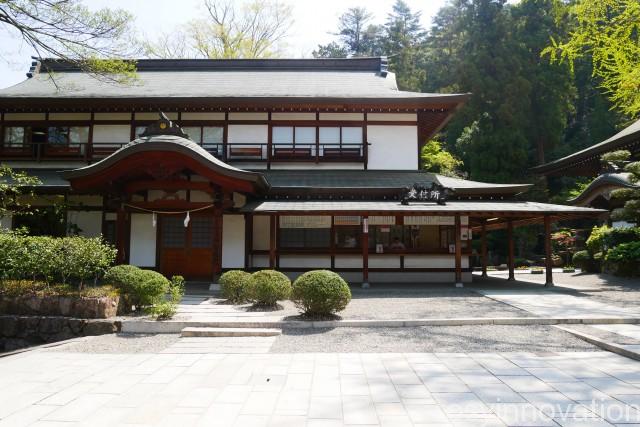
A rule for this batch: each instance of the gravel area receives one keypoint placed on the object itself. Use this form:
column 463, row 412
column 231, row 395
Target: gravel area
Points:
column 446, row 339
column 119, row 343
column 604, row 335
column 412, row 302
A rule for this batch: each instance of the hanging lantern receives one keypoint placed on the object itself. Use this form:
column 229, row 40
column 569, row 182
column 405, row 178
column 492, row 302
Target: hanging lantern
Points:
column 154, row 220
column 186, row 220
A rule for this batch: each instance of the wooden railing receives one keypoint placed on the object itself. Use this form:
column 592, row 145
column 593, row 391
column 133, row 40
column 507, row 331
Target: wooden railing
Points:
column 249, row 152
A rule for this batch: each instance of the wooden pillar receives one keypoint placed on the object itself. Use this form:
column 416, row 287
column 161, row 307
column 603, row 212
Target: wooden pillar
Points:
column 458, row 242
column 217, row 240
column 510, row 261
column 272, row 240
column 121, row 235
column 483, row 248
column 248, row 241
column 365, row 251
column 547, row 250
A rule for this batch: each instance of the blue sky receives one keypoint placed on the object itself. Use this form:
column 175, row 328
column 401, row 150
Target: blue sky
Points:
column 313, row 20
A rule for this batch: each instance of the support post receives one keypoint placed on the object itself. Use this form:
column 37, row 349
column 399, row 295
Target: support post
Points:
column 510, row 261
column 248, row 241
column 548, row 261
column 121, row 234
column 365, row 252
column 272, row 241
column 483, row 248
column 458, row 241
column 217, row 241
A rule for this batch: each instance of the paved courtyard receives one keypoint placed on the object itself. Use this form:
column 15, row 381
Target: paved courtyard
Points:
column 45, row 388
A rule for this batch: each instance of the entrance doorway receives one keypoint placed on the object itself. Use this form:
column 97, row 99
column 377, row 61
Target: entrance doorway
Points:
column 187, row 251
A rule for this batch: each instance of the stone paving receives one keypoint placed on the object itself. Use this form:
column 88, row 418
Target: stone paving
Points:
column 41, row 388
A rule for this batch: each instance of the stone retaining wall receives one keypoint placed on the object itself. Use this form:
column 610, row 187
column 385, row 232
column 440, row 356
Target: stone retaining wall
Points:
column 85, row 307
column 24, row 331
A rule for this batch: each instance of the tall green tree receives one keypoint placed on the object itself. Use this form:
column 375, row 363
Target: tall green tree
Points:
column 608, row 33
column 356, row 36
column 96, row 41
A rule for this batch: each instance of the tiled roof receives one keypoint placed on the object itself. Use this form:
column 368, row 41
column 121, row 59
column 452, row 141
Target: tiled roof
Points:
column 393, row 206
column 348, row 79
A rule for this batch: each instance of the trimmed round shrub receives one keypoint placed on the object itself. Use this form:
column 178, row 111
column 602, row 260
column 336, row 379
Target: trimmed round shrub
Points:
column 321, row 292
column 234, row 284
column 267, row 287
column 581, row 259
column 140, row 287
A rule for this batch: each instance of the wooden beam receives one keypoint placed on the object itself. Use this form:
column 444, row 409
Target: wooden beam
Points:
column 510, row 260
column 547, row 250
column 167, row 185
column 483, row 248
column 458, row 241
column 248, row 240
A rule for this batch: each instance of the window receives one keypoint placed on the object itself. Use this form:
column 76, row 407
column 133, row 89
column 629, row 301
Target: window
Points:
column 305, row 135
column 348, row 236
column 329, row 135
column 297, row 238
column 65, row 135
column 352, row 135
column 422, row 238
column 201, row 232
column 15, row 136
column 282, row 135
column 212, row 135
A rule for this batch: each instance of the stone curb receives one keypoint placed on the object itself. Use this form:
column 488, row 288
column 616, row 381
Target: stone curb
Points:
column 175, row 326
column 605, row 345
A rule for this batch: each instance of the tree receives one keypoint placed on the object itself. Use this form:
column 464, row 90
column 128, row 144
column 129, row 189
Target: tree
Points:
column 403, row 41
column 631, row 210
column 357, row 37
column 97, row 42
column 14, row 186
column 608, row 33
column 435, row 159
column 254, row 30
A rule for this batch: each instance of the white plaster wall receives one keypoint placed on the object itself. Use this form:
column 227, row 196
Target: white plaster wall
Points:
column 261, row 233
column 5, row 222
column 25, row 116
column 112, row 116
column 247, row 134
column 293, row 116
column 202, row 116
column 69, row 116
column 393, row 147
column 305, row 261
column 111, row 133
column 342, row 116
column 142, row 251
column 392, row 117
column 200, row 196
column 232, row 241
column 239, row 200
column 156, row 116
column 433, row 261
column 89, row 222
column 248, row 116
column 384, row 261
column 348, row 261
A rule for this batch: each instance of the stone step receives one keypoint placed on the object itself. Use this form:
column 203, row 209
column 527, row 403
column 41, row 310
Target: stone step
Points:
column 229, row 332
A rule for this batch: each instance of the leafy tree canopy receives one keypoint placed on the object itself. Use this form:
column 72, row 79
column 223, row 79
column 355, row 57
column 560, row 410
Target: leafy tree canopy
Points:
column 68, row 30
column 435, row 159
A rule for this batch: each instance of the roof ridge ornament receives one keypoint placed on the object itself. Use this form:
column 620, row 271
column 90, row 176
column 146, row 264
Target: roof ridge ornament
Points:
column 164, row 126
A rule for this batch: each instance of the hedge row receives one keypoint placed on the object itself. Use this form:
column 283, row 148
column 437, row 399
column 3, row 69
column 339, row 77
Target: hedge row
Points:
column 615, row 250
column 318, row 292
column 52, row 260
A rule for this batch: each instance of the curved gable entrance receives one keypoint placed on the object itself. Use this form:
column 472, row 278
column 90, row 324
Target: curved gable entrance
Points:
column 169, row 181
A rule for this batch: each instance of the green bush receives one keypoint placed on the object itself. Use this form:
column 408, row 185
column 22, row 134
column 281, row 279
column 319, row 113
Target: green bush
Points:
column 624, row 259
column 163, row 310
column 176, row 288
column 234, row 285
column 595, row 241
column 141, row 288
column 266, row 287
column 54, row 260
column 605, row 238
column 581, row 259
column 321, row 292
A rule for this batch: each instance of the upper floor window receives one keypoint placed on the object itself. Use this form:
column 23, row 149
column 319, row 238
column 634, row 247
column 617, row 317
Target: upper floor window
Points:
column 65, row 135
column 15, row 136
column 341, row 135
column 205, row 135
